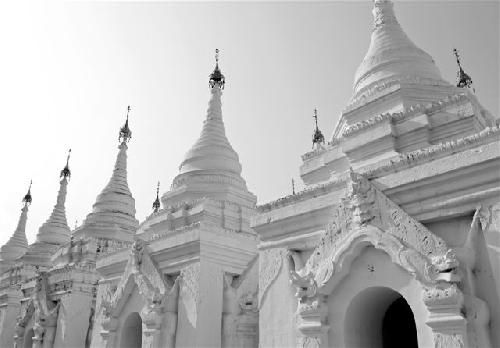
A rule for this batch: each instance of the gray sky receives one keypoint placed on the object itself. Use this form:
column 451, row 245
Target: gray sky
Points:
column 69, row 69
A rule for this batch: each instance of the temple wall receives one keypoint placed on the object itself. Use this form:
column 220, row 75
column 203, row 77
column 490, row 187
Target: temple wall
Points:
column 385, row 274
column 73, row 320
column 489, row 272
column 486, row 272
column 8, row 317
column 277, row 326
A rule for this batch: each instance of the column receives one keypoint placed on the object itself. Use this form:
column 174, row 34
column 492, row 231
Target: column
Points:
column 444, row 302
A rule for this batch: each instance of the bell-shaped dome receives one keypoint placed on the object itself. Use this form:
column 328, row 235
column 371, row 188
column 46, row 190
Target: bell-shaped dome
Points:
column 212, row 151
column 392, row 55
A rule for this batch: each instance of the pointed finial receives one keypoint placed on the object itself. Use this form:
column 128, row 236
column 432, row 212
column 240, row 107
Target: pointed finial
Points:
column 27, row 198
column 125, row 132
column 293, row 187
column 156, row 203
column 216, row 77
column 463, row 80
column 318, row 137
column 66, row 173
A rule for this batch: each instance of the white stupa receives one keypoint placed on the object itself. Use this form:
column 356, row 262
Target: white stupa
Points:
column 392, row 55
column 113, row 213
column 211, row 168
column 56, row 230
column 18, row 244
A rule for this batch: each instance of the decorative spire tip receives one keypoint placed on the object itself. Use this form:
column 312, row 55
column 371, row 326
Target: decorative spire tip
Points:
column 156, row 203
column 216, row 77
column 125, row 133
column 66, row 173
column 318, row 137
column 27, row 198
column 463, row 80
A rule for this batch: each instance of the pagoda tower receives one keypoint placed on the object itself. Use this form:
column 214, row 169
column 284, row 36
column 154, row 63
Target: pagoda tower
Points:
column 201, row 242
column 211, row 168
column 18, row 244
column 400, row 103
column 55, row 231
column 113, row 213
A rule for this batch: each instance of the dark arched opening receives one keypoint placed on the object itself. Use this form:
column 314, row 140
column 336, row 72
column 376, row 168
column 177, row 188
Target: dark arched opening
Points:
column 132, row 331
column 379, row 317
column 398, row 326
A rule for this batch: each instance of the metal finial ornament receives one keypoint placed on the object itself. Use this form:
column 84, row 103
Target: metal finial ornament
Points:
column 216, row 77
column 318, row 137
column 27, row 198
column 156, row 203
column 66, row 173
column 463, row 80
column 293, row 187
column 125, row 132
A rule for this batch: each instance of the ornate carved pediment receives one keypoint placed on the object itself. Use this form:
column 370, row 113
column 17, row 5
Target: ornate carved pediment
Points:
column 40, row 307
column 366, row 216
column 140, row 271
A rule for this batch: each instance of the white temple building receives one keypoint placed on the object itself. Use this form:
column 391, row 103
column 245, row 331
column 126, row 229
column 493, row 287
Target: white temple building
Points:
column 394, row 242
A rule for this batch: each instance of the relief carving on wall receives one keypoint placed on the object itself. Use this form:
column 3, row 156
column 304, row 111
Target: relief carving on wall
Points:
column 270, row 263
column 366, row 215
column 158, row 294
column 42, row 309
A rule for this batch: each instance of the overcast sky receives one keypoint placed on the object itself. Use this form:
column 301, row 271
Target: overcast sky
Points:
column 69, row 70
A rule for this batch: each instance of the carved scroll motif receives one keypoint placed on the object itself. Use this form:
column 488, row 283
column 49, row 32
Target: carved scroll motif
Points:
column 271, row 261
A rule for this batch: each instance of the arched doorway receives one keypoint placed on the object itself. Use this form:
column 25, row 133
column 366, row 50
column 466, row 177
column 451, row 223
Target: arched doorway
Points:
column 132, row 331
column 28, row 338
column 379, row 317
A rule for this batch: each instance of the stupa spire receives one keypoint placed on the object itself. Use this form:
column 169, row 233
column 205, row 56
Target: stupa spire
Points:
column 114, row 209
column 211, row 168
column 18, row 244
column 392, row 55
column 156, row 203
column 318, row 139
column 463, row 80
column 212, row 151
column 56, row 230
column 216, row 77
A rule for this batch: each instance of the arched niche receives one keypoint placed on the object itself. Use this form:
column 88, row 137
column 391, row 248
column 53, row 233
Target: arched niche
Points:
column 131, row 336
column 361, row 299
column 379, row 317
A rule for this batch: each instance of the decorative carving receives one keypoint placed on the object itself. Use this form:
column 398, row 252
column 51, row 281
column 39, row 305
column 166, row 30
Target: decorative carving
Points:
column 365, row 214
column 435, row 151
column 248, row 303
column 151, row 285
column 304, row 283
column 404, row 115
column 309, row 342
column 191, row 280
column 443, row 295
column 454, row 340
column 270, row 262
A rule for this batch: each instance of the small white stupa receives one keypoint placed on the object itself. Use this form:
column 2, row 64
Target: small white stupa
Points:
column 18, row 244
column 56, row 230
column 113, row 213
